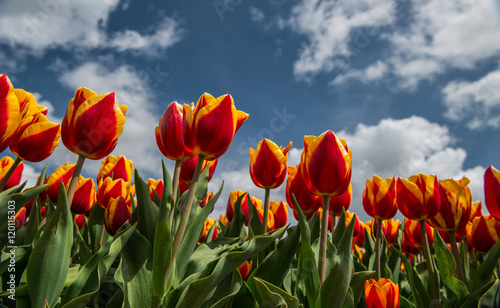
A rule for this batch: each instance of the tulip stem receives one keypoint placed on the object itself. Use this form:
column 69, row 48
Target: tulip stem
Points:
column 175, row 187
column 465, row 244
column 266, row 209
column 101, row 236
column 323, row 239
column 430, row 267
column 74, row 178
column 186, row 209
column 458, row 262
column 378, row 267
column 9, row 173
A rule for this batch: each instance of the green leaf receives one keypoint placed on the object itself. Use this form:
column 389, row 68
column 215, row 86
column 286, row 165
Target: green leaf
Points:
column 339, row 230
column 254, row 223
column 349, row 300
column 133, row 275
column 446, row 266
column 492, row 297
column 91, row 275
column 50, row 258
column 473, row 299
column 147, row 211
column 11, row 203
column 225, row 291
column 96, row 224
column 233, row 229
column 272, row 295
column 485, row 271
column 358, row 284
column 335, row 288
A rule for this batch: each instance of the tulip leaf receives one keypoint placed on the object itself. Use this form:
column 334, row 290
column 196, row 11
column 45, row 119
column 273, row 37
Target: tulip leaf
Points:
column 446, row 266
column 147, row 211
column 198, row 291
column 349, row 300
column 473, row 299
column 116, row 301
column 225, row 291
column 32, row 224
column 307, row 261
column 96, row 225
column 133, row 275
column 492, row 297
column 233, row 228
column 91, row 275
column 339, row 229
column 51, row 256
column 162, row 249
column 358, row 284
column 192, row 235
column 335, row 288
column 314, row 227
column 485, row 271
column 166, row 195
column 254, row 223
column 271, row 295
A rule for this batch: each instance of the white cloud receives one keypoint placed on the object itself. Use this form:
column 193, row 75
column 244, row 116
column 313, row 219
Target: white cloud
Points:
column 372, row 73
column 392, row 147
column 476, row 102
column 257, row 15
column 83, row 24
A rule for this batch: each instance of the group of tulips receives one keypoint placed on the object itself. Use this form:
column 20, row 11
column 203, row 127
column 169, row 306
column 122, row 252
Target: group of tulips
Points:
column 194, row 137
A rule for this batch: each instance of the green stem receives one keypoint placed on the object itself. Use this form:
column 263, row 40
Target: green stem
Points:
column 458, row 262
column 9, row 173
column 378, row 267
column 74, row 178
column 266, row 210
column 186, row 209
column 430, row 267
column 323, row 240
column 465, row 244
column 101, row 236
column 175, row 188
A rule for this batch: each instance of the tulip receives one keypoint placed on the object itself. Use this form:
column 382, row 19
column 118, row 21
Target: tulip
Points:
column 280, row 213
column 205, row 200
column 223, row 219
column 209, row 128
column 492, row 191
column 20, row 217
column 379, row 198
column 15, row 178
column 92, row 124
column 61, row 174
column 476, row 210
column 209, row 223
column 116, row 168
column 418, row 198
column 269, row 223
column 10, row 116
column 233, row 196
column 155, row 186
column 484, row 233
column 295, row 186
column 111, row 189
column 169, row 133
column 381, row 294
column 349, row 216
column 28, row 105
column 36, row 138
column 117, row 213
column 80, row 220
column 413, row 233
column 359, row 239
column 188, row 167
column 390, row 228
column 84, row 196
column 268, row 164
column 245, row 269
column 343, row 201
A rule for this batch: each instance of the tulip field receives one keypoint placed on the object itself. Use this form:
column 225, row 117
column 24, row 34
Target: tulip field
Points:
column 118, row 240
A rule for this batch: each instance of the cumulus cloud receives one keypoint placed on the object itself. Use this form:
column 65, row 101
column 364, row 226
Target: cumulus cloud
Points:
column 47, row 24
column 372, row 73
column 393, row 147
column 477, row 103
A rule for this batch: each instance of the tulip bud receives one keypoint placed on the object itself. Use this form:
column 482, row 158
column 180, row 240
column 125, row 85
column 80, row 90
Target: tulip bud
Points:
column 5, row 163
column 268, row 164
column 117, row 168
column 379, row 198
column 116, row 214
column 381, row 294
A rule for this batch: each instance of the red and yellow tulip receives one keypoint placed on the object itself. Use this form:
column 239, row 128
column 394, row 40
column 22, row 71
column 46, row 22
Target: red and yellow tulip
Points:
column 92, row 124
column 343, row 201
column 156, row 186
column 326, row 164
column 413, row 234
column 418, row 197
column 111, row 189
column 203, row 202
column 484, row 233
column 492, row 191
column 169, row 133
column 209, row 223
column 268, row 164
column 280, row 213
column 10, row 116
column 390, row 228
column 295, row 186
column 379, row 198
column 80, row 220
column 117, row 213
column 233, row 196
column 84, row 196
column 381, row 294
column 116, row 168
column 28, row 105
column 5, row 163
column 188, row 167
column 61, row 174
column 209, row 128
column 245, row 269
column 20, row 216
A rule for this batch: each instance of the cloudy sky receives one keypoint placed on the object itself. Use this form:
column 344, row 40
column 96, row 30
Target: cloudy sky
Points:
column 413, row 86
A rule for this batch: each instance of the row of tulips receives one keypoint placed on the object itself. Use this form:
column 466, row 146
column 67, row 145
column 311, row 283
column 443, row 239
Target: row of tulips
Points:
column 151, row 243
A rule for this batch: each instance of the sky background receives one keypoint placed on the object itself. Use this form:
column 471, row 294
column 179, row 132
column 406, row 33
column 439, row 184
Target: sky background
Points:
column 413, row 86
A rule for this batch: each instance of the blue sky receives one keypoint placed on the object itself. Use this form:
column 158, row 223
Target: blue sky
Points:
column 413, row 86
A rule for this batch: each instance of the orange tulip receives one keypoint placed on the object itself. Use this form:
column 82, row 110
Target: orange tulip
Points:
column 390, row 227
column 116, row 214
column 455, row 210
column 245, row 269
column 419, row 197
column 169, row 133
column 326, row 164
column 209, row 223
column 233, row 196
column 209, row 129
column 413, row 234
column 492, row 191
column 5, row 163
column 10, row 116
column 381, row 294
column 92, row 124
column 268, row 164
column 343, row 201
column 20, row 217
column 379, row 198
column 36, row 138
column 156, row 186
column 188, row 167
column 280, row 213
column 205, row 200
column 476, row 210
column 484, row 233
column 61, row 174
column 109, row 189
column 295, row 186
column 84, row 196
column 223, row 219
column 117, row 168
